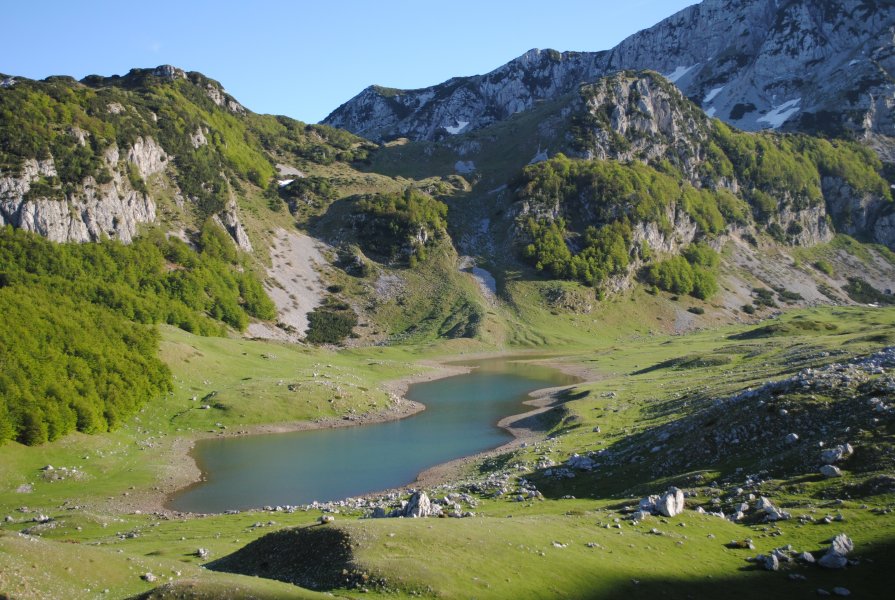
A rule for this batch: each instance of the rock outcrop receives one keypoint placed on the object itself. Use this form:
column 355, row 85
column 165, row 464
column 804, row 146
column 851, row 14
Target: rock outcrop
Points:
column 229, row 220
column 94, row 210
column 757, row 64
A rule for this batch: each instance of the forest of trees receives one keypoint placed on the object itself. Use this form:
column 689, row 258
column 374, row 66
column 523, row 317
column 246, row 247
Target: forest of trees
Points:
column 75, row 342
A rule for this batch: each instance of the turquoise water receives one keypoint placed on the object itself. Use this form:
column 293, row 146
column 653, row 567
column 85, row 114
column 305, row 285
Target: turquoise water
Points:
column 329, row 464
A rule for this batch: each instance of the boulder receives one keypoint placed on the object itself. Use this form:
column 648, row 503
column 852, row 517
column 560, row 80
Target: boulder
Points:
column 835, row 454
column 835, row 558
column 842, row 544
column 769, row 562
column 830, row 471
column 420, row 506
column 672, row 502
column 669, row 504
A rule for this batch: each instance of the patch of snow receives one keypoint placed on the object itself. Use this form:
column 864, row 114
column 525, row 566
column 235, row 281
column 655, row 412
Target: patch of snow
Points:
column 541, row 156
column 711, row 95
column 461, row 125
column 678, row 73
column 464, row 167
column 779, row 114
column 284, row 182
column 711, row 112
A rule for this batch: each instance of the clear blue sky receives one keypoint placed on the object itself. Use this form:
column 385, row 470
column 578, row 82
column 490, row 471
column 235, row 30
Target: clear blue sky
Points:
column 306, row 57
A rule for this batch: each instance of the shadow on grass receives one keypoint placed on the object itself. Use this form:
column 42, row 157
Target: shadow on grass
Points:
column 316, row 557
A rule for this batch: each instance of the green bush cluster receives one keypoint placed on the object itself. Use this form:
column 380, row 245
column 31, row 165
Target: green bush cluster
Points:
column 394, row 225
column 603, row 253
column 331, row 322
column 599, row 191
column 860, row 291
column 690, row 273
column 315, row 192
column 824, row 266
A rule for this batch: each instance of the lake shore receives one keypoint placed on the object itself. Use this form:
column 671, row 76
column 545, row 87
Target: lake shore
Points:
column 181, row 471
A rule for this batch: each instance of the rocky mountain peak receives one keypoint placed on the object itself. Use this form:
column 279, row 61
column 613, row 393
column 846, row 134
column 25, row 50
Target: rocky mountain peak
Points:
column 169, row 72
column 757, row 64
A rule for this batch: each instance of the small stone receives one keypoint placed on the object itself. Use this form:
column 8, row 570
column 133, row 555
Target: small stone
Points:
column 324, row 519
column 792, row 438
column 841, row 591
column 148, row 577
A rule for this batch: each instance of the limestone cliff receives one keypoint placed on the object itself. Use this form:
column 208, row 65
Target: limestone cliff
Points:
column 91, row 211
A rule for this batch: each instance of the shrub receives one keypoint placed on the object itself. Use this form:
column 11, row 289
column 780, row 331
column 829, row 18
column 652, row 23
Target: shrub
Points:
column 328, row 325
column 824, row 267
column 861, row 291
column 399, row 226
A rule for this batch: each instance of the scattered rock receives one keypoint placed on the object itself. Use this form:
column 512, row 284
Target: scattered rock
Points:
column 835, row 558
column 841, row 591
column 830, row 471
column 324, row 519
column 833, row 455
column 203, row 553
column 148, row 577
column 769, row 562
column 792, row 438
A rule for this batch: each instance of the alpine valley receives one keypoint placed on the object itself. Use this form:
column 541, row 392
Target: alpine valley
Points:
column 696, row 227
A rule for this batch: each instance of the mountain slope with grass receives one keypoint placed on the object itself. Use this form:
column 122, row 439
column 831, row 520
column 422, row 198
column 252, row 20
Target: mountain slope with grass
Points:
column 175, row 268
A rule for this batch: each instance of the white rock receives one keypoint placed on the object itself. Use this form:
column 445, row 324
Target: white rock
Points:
column 830, row 471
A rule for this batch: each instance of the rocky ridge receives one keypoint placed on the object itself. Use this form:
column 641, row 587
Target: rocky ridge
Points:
column 757, row 64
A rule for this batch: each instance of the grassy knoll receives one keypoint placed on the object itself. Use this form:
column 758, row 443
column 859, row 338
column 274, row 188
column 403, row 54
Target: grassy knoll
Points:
column 564, row 542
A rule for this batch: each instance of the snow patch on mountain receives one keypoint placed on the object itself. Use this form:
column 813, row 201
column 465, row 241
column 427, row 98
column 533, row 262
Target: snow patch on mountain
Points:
column 454, row 130
column 711, row 95
column 778, row 116
column 678, row 73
